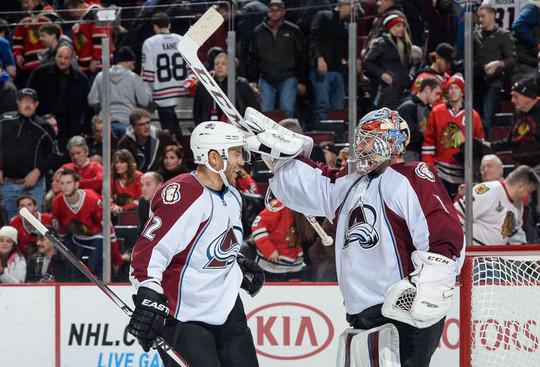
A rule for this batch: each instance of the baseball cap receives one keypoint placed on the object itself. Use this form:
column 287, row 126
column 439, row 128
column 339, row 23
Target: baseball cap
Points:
column 9, row 232
column 527, row 87
column 446, row 51
column 27, row 92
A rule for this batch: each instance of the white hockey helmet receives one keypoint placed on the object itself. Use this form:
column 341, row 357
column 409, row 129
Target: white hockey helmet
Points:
column 379, row 134
column 218, row 136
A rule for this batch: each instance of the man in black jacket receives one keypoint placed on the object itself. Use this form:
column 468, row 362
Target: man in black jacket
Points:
column 415, row 110
column 276, row 60
column 25, row 147
column 62, row 91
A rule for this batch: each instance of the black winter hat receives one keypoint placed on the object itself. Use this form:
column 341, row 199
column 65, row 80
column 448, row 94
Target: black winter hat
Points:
column 125, row 54
column 527, row 87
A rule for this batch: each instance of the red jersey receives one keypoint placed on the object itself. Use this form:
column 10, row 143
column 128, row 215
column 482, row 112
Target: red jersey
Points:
column 430, row 73
column 26, row 234
column 127, row 196
column 445, row 134
column 83, row 220
column 87, row 39
column 276, row 231
column 26, row 41
column 91, row 175
column 246, row 183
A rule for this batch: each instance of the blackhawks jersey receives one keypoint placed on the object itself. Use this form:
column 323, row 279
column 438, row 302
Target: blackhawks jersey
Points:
column 188, row 249
column 26, row 234
column 83, row 220
column 90, row 174
column 497, row 219
column 380, row 220
column 443, row 138
column 163, row 69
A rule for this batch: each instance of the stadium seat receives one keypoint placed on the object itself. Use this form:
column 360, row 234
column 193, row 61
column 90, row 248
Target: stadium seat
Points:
column 277, row 116
column 260, row 172
column 498, row 133
column 503, row 119
column 320, row 136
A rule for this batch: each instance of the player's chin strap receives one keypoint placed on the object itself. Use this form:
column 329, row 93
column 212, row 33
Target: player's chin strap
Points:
column 221, row 172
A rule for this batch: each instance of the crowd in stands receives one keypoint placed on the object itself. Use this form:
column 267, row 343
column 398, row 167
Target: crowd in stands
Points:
column 292, row 64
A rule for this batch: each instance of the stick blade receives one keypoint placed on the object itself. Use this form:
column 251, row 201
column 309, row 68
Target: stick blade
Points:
column 207, row 24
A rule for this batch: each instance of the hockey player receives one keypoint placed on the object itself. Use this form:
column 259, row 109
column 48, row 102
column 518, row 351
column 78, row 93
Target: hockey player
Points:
column 184, row 265
column 393, row 219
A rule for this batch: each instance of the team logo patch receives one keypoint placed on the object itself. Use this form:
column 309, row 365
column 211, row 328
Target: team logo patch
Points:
column 481, row 189
column 171, row 194
column 362, row 227
column 422, row 170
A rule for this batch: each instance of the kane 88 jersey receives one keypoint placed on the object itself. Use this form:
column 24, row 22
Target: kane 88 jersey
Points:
column 188, row 250
column 163, row 69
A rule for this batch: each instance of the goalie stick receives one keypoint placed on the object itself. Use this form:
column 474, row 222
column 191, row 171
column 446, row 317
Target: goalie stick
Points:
column 159, row 342
column 195, row 37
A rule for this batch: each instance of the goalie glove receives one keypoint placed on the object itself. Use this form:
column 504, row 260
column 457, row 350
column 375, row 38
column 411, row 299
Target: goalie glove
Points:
column 148, row 319
column 424, row 297
column 253, row 275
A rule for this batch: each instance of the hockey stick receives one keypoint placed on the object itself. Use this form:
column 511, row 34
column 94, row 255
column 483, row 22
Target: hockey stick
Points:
column 195, row 37
column 158, row 342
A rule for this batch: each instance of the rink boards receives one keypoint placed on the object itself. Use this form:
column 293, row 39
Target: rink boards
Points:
column 76, row 325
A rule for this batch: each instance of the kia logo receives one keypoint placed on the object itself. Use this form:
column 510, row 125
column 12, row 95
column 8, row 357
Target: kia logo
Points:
column 290, row 330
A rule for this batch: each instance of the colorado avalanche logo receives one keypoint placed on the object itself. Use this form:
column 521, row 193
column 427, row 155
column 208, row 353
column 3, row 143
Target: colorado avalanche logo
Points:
column 361, row 227
column 171, row 194
column 222, row 251
column 422, row 170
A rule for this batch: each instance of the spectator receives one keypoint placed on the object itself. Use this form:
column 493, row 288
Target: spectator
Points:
column 498, row 208
column 446, row 133
column 78, row 215
column 491, row 168
column 90, row 173
column 441, row 61
column 144, row 141
column 526, row 29
column 12, row 262
column 276, row 61
column 164, row 71
column 127, row 91
column 26, row 234
column 8, row 93
column 205, row 107
column 171, row 162
column 87, row 35
column 62, row 91
column 279, row 247
column 26, row 43
column 329, row 56
column 50, row 35
column 245, row 183
column 53, row 191
column 415, row 111
column 125, row 182
column 250, row 15
column 25, row 147
column 334, row 157
column 388, row 60
column 7, row 61
column 150, row 183
column 524, row 137
column 493, row 55
column 95, row 142
column 384, row 9
column 47, row 265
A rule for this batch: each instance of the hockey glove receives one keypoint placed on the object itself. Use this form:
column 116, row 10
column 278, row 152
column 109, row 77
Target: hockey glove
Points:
column 148, row 319
column 253, row 275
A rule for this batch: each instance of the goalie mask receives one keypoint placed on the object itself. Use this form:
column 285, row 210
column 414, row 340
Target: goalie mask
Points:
column 379, row 135
column 220, row 137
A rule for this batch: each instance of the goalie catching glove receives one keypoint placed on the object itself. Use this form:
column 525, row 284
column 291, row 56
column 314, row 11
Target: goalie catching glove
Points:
column 424, row 297
column 276, row 144
column 148, row 319
column 253, row 275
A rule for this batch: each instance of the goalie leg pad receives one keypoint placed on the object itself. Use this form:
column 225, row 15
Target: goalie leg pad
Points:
column 374, row 347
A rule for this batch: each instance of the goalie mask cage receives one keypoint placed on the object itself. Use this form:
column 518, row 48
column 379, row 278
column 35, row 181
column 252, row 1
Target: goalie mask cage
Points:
column 500, row 306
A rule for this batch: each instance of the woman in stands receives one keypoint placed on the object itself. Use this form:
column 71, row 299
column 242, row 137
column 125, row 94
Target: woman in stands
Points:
column 125, row 182
column 171, row 163
column 12, row 262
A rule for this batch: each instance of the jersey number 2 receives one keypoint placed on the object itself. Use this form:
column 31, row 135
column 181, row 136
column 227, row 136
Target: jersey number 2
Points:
column 170, row 67
column 151, row 227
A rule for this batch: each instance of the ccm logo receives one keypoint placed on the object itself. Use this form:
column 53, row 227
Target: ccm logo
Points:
column 157, row 306
column 290, row 330
column 438, row 259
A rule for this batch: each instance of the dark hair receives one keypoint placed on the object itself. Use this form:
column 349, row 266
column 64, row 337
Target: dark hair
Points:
column 138, row 114
column 72, row 173
column 487, row 7
column 4, row 26
column 25, row 195
column 161, row 20
column 524, row 174
column 174, row 149
column 428, row 82
column 51, row 28
column 124, row 155
column 70, row 4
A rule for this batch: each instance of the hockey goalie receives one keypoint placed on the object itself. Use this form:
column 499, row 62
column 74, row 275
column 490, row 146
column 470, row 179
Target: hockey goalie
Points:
column 399, row 243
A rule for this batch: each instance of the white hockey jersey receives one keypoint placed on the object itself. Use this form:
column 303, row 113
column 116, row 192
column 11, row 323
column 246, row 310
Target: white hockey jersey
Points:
column 163, row 69
column 497, row 219
column 188, row 250
column 381, row 220
column 508, row 11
